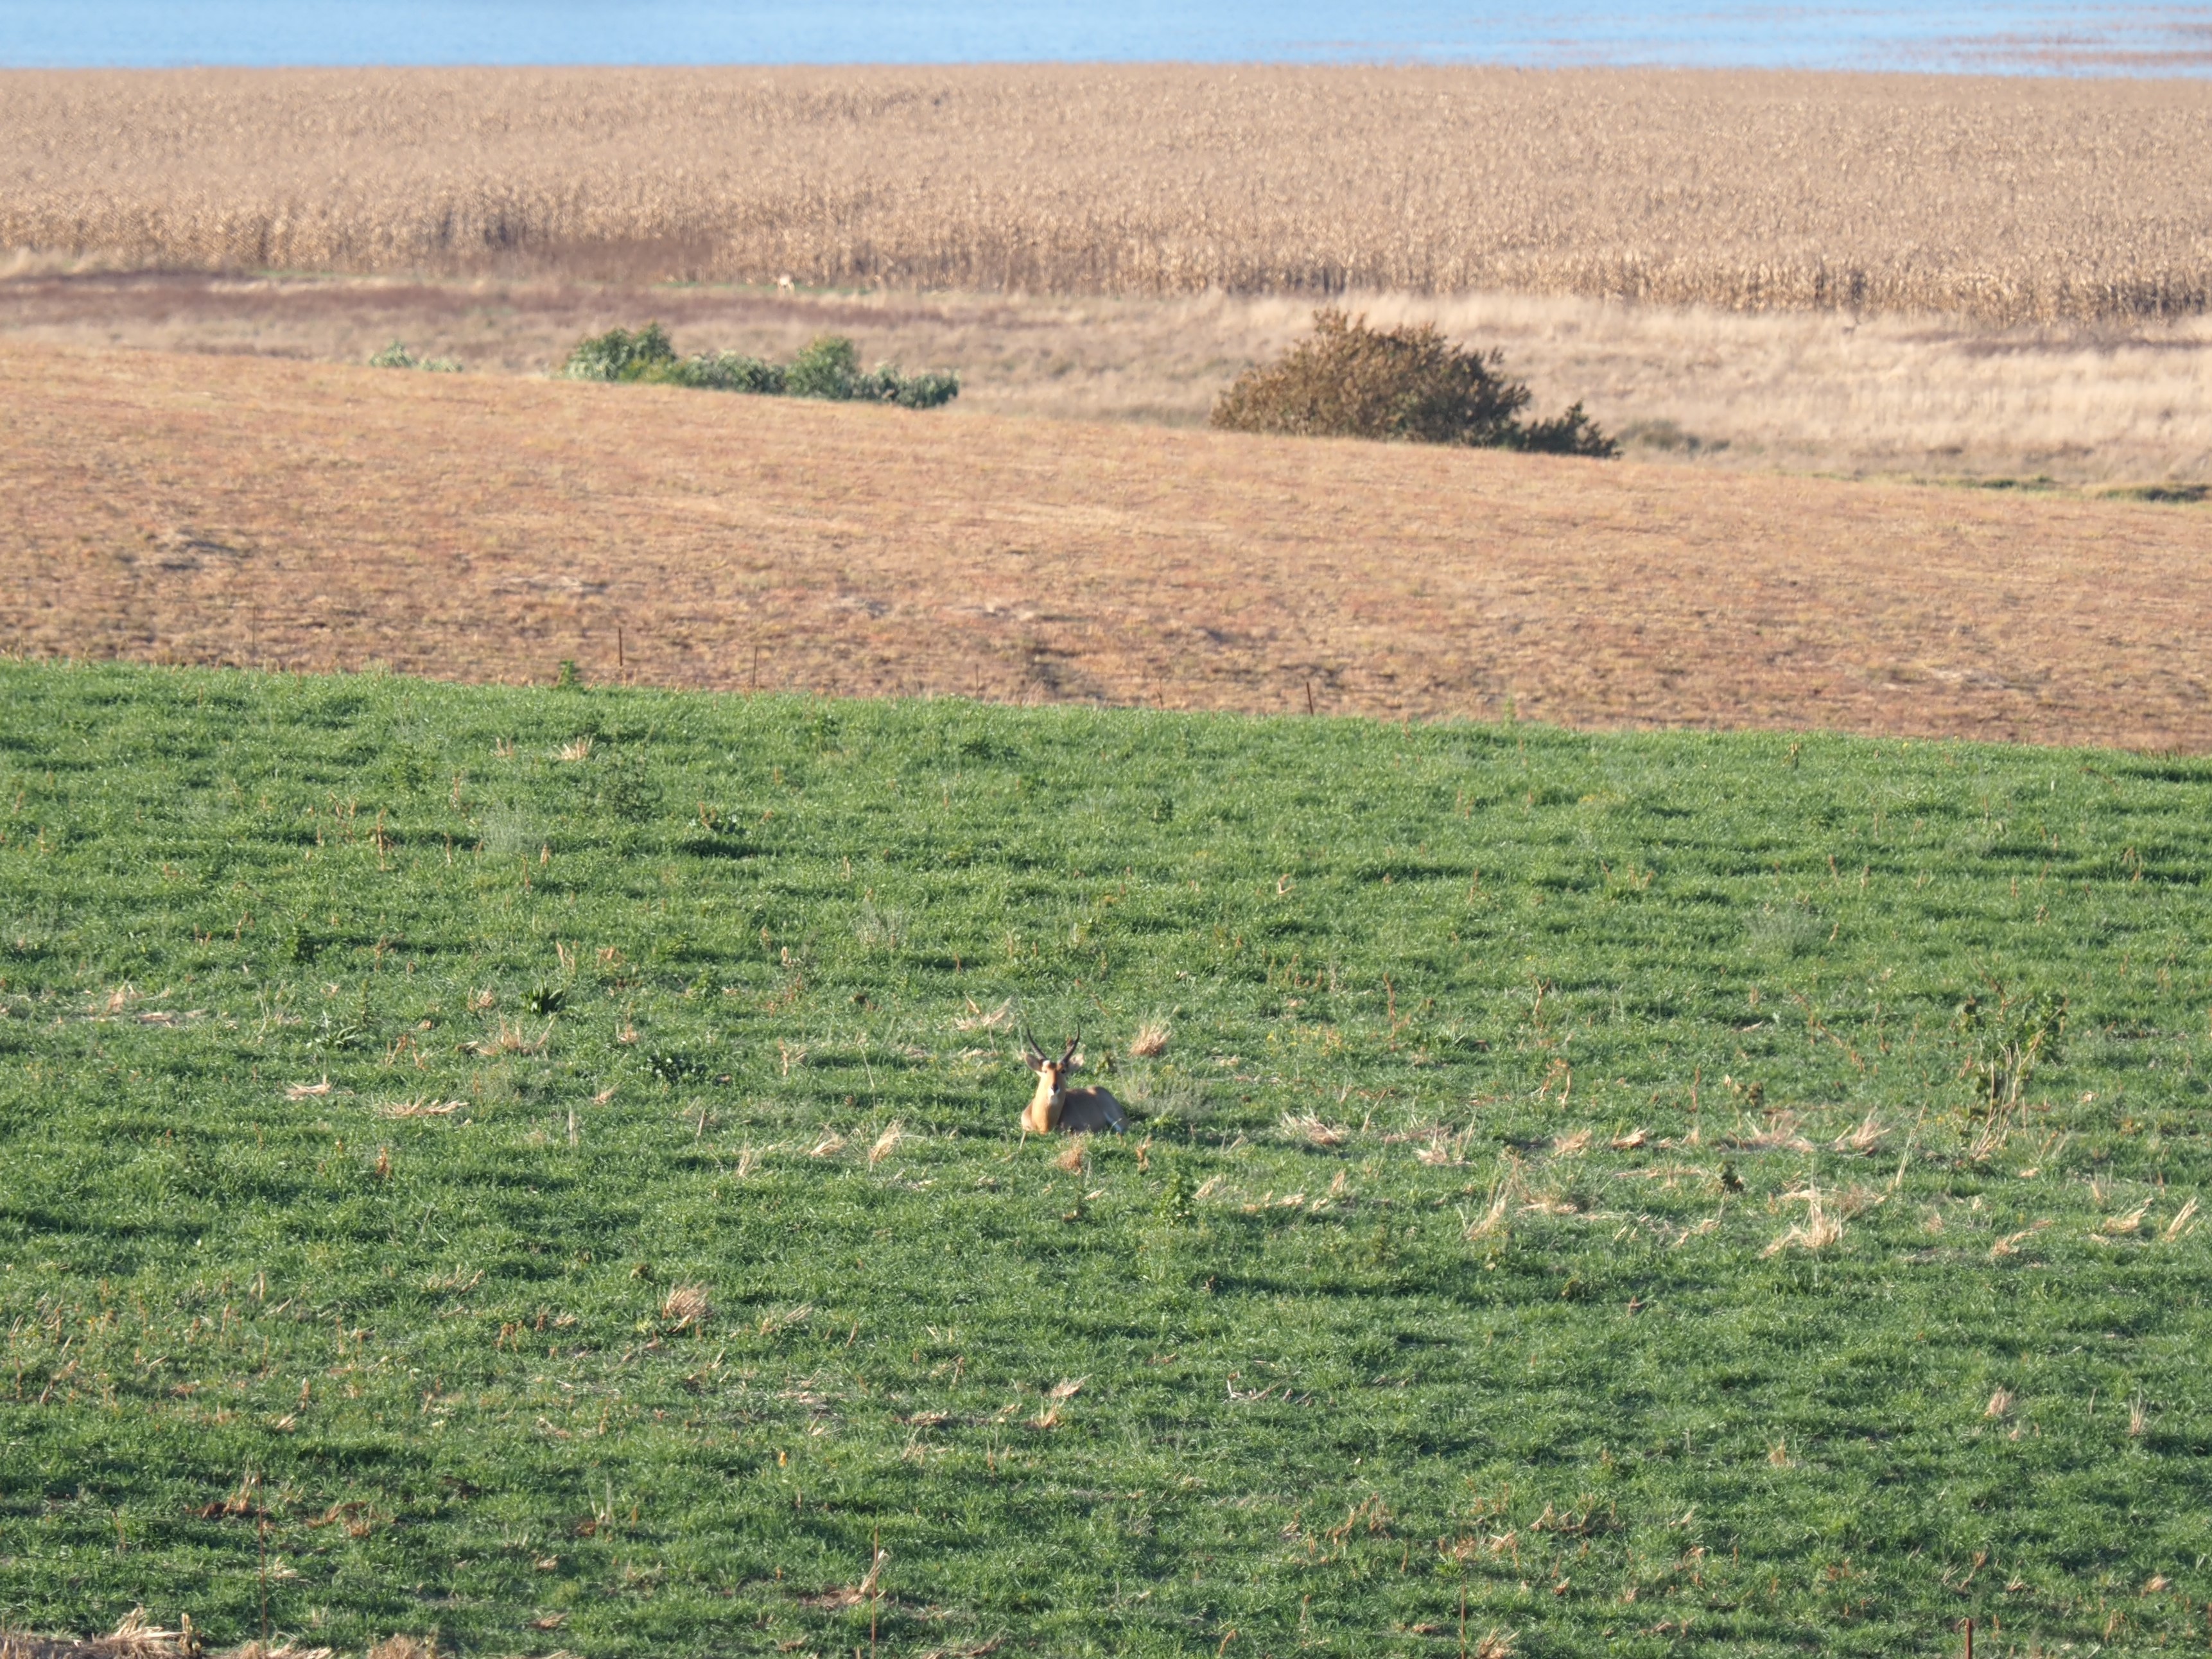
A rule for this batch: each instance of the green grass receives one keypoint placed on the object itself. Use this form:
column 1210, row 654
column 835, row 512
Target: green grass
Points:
column 432, row 1350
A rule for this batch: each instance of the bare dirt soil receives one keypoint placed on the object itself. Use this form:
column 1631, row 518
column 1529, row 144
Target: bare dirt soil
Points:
column 302, row 515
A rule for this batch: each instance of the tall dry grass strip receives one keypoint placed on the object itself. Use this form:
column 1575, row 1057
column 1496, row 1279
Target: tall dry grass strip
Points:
column 2007, row 198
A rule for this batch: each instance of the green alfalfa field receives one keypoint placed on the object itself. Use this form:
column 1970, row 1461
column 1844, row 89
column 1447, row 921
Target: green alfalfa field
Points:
column 538, row 1167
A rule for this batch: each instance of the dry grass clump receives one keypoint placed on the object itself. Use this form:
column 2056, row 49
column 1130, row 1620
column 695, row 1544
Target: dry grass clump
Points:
column 886, row 1144
column 1751, row 190
column 1406, row 385
column 1821, row 1227
column 1152, row 1039
column 137, row 1637
column 687, row 1308
column 1311, row 1129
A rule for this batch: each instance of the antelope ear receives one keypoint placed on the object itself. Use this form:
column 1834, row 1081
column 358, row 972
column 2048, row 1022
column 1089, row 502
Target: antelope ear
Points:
column 1034, row 1061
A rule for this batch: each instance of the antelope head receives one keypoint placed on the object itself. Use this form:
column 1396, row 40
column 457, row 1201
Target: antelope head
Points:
column 1041, row 1115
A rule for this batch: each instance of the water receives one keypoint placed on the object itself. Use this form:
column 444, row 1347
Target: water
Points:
column 1950, row 35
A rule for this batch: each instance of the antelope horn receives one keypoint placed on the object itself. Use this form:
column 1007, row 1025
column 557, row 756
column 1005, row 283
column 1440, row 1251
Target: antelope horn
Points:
column 1071, row 1043
column 1029, row 1043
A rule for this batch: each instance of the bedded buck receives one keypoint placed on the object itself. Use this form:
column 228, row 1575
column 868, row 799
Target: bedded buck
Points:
column 1056, row 1106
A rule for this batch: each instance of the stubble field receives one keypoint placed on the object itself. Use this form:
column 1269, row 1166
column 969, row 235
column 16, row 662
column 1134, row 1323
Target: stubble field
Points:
column 221, row 510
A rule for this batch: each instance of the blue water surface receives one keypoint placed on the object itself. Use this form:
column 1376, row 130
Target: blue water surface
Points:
column 1950, row 35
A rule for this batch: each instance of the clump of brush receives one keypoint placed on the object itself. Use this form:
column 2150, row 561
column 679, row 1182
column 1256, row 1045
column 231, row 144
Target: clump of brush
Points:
column 830, row 368
column 1406, row 385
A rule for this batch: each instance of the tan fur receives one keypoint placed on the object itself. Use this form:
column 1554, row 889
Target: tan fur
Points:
column 1056, row 1107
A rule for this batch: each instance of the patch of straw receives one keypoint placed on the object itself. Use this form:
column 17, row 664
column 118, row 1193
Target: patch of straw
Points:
column 425, row 1108
column 1778, row 1134
column 1504, row 1192
column 1444, row 1147
column 2010, row 1243
column 1152, row 1039
column 1864, row 1140
column 771, row 1323
column 687, row 1308
column 886, row 1143
column 1820, row 1229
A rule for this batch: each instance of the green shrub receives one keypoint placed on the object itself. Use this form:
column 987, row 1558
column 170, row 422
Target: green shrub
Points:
column 619, row 355
column 728, row 371
column 397, row 355
column 1406, row 385
column 829, row 367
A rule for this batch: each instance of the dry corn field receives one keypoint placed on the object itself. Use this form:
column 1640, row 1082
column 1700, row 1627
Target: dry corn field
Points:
column 226, row 510
column 2009, row 199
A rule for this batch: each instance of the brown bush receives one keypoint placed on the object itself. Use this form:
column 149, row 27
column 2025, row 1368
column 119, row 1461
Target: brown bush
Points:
column 1402, row 385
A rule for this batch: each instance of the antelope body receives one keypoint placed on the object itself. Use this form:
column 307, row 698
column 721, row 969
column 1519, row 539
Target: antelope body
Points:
column 1056, row 1106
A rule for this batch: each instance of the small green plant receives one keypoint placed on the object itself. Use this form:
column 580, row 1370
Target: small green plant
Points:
column 829, row 369
column 670, row 1067
column 1179, row 1198
column 397, row 355
column 1399, row 384
column 2005, row 1045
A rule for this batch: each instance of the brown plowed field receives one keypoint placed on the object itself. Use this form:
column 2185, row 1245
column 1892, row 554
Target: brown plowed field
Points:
column 301, row 515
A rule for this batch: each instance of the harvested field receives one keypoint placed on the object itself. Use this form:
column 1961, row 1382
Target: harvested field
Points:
column 2003, row 199
column 180, row 509
column 1941, row 398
